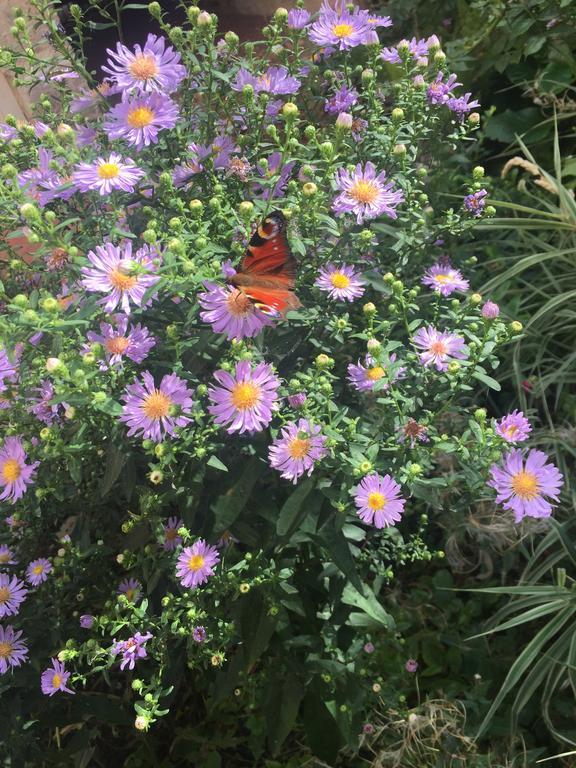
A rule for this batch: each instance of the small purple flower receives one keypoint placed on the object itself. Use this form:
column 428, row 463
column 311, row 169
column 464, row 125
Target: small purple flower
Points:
column 154, row 412
column 475, row 202
column 199, row 634
column 369, row 647
column 37, row 571
column 342, row 100
column 140, row 119
column 132, row 649
column 490, row 310
column 54, row 679
column 378, row 500
column 298, row 18
column 525, row 485
column 342, row 283
column 124, row 276
column 444, row 279
column 244, row 402
column 297, row 400
column 340, row 27
column 364, row 377
column 105, row 175
column 462, row 105
column 154, row 68
column 42, row 408
column 411, row 666
column 15, row 474
column 276, row 80
column 8, row 369
column 439, row 91
column 85, row 136
column 514, row 427
column 13, row 592
column 13, row 650
column 414, row 49
column 366, row 193
column 297, row 449
column 230, row 311
column 196, row 564
column 271, row 172
column 438, row 347
column 87, row 621
column 6, row 556
column 122, row 341
column 367, row 729
column 171, row 538
column 131, row 588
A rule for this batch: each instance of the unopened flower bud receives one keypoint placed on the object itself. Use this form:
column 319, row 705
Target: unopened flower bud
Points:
column 297, row 400
column 478, row 173
column 397, row 115
column 53, row 364
column 323, row 361
column 327, row 150
column 453, row 367
column 474, row 118
column 141, row 723
column 344, row 121
column 290, row 110
column 388, row 278
column 480, row 414
column 439, row 58
column 475, row 299
column 309, row 189
column 399, row 150
column 156, row 477
column 154, row 10
column 516, row 326
column 204, row 19
column 281, row 15
column 369, row 309
column 490, row 310
column 245, row 209
column 30, row 212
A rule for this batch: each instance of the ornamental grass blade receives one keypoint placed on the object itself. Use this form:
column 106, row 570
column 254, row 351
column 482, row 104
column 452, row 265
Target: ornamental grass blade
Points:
column 523, row 618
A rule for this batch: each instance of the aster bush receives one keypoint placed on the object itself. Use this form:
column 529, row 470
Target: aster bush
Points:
column 207, row 500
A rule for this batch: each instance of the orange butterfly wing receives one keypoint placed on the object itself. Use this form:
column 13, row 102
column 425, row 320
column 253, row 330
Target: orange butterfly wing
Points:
column 268, row 269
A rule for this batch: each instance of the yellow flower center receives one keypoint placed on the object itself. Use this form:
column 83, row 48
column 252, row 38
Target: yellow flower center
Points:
column 140, row 117
column 442, row 279
column 143, row 67
column 511, row 430
column 37, row 570
column 376, row 373
column 342, row 30
column 171, row 534
column 116, row 346
column 4, row 557
column 56, row 680
column 108, row 170
column 156, row 405
column 4, row 595
column 298, row 448
column 121, row 280
column 339, row 280
column 525, row 485
column 5, row 650
column 245, row 395
column 196, row 562
column 376, row 501
column 264, row 81
column 239, row 304
column 131, row 594
column 11, row 470
column 364, row 191
column 438, row 348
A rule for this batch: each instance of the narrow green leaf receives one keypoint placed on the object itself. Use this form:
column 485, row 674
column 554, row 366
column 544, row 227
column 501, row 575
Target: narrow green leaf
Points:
column 292, row 511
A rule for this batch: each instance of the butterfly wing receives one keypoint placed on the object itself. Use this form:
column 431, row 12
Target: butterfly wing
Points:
column 268, row 269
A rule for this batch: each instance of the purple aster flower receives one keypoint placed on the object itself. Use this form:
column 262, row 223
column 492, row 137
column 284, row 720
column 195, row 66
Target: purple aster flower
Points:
column 194, row 164
column 366, row 193
column 444, row 279
column 274, row 161
column 31, row 179
column 276, row 80
column 298, row 18
column 131, row 588
column 8, row 369
column 297, row 450
column 132, row 649
column 196, row 564
column 43, row 409
column 438, row 92
column 199, row 634
column 124, row 276
column 222, row 147
column 13, row 650
column 524, row 486
column 140, row 119
column 415, row 49
column 490, row 310
column 105, row 175
column 54, row 679
column 12, row 594
column 411, row 665
column 514, row 427
column 297, row 400
column 369, row 648
column 87, row 621
column 88, row 99
column 154, row 412
column 342, row 282
column 6, row 556
column 226, row 540
column 342, row 100
column 15, row 474
column 462, row 105
column 364, row 377
column 244, row 402
column 230, row 311
column 414, row 432
column 378, row 500
column 156, row 68
column 171, row 538
column 121, row 340
column 438, row 347
column 340, row 27
column 475, row 202
column 86, row 136
column 37, row 571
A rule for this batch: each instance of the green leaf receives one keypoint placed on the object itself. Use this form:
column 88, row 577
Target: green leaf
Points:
column 282, row 711
column 215, row 462
column 291, row 514
column 335, row 542
column 230, row 505
column 322, row 732
column 115, row 460
column 367, row 603
column 488, row 380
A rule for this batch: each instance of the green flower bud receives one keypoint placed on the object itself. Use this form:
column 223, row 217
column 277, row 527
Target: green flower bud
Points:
column 490, row 211
column 516, row 326
column 309, row 189
column 290, row 110
column 397, row 115
column 478, row 173
column 397, row 286
column 439, row 58
column 99, row 397
column 388, row 278
column 154, row 10
column 149, row 236
column 323, row 361
column 475, row 299
column 231, row 39
column 369, row 309
column 309, row 132
column 453, row 367
column 474, row 118
column 327, row 150
column 480, row 414
column 30, row 212
column 281, row 15
column 20, row 300
column 245, row 209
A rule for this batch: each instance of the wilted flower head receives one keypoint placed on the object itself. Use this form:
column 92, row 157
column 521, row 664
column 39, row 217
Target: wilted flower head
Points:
column 411, row 665
column 199, row 634
column 475, row 202
column 171, row 538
